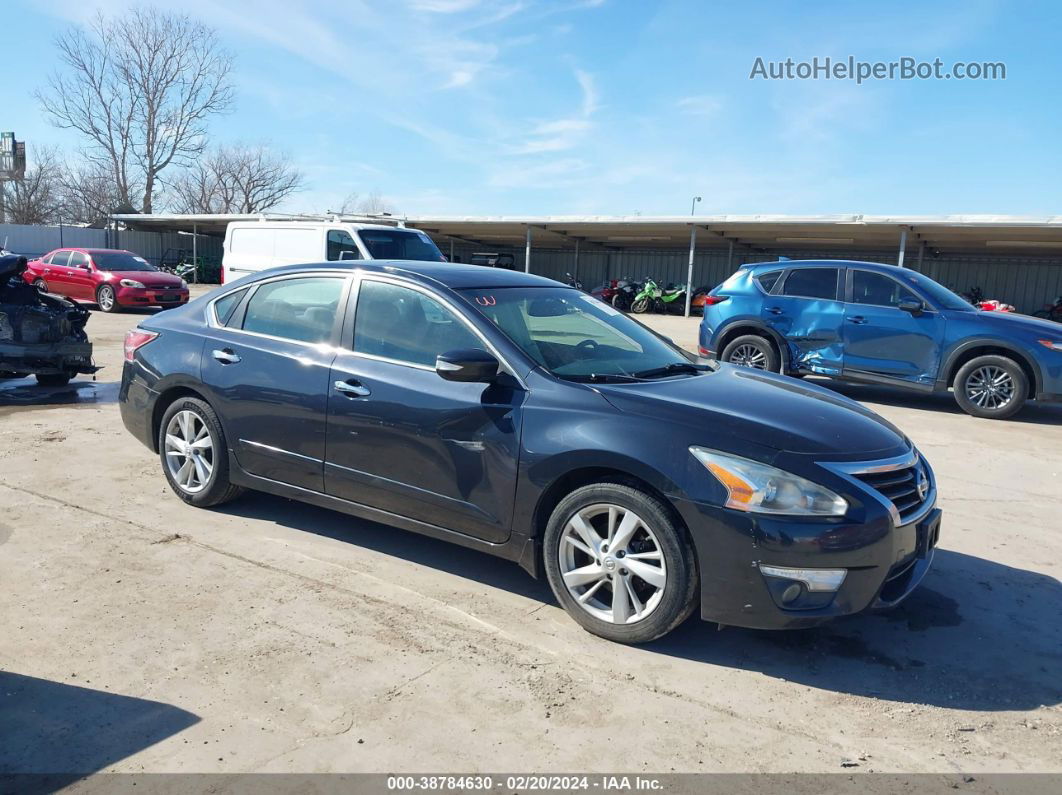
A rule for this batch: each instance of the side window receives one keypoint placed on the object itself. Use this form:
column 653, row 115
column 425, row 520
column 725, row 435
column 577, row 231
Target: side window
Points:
column 768, row 280
column 812, row 283
column 226, row 305
column 78, row 259
column 877, row 289
column 295, row 309
column 60, row 258
column 341, row 246
column 406, row 325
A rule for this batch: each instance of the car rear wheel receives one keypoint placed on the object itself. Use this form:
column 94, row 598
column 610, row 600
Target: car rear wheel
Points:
column 752, row 351
column 992, row 387
column 105, row 299
column 194, row 454
column 620, row 563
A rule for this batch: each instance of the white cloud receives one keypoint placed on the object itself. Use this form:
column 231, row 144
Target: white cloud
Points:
column 444, row 6
column 700, row 105
column 565, row 133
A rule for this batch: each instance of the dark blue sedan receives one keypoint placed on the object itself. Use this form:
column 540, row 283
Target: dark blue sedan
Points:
column 517, row 416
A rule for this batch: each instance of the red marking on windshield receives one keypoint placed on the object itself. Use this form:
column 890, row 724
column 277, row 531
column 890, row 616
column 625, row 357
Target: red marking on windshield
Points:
column 486, row 300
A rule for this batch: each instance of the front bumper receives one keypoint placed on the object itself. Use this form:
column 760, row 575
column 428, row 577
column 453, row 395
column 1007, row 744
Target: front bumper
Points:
column 47, row 357
column 884, row 563
column 147, row 296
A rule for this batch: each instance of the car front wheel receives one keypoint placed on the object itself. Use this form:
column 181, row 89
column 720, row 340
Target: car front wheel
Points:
column 992, row 387
column 194, row 454
column 620, row 563
column 106, row 300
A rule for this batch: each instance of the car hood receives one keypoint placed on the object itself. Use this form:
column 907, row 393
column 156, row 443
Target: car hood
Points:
column 149, row 278
column 770, row 411
column 1013, row 320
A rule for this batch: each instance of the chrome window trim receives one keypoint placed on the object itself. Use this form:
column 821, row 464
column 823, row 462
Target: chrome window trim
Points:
column 850, row 469
column 399, row 281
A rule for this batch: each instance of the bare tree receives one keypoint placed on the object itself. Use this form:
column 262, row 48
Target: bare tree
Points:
column 237, row 179
column 372, row 204
column 35, row 198
column 140, row 87
column 88, row 193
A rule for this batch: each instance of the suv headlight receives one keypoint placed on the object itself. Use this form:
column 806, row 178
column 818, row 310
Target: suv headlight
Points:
column 758, row 488
column 131, row 283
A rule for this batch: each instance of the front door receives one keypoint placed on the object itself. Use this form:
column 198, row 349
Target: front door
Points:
column 403, row 439
column 882, row 339
column 82, row 286
column 806, row 312
column 268, row 371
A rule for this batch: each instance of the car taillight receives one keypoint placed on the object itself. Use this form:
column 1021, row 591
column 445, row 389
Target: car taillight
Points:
column 712, row 300
column 135, row 339
column 222, row 273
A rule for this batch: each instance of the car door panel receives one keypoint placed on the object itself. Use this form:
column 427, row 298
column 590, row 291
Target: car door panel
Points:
column 81, row 282
column 810, row 326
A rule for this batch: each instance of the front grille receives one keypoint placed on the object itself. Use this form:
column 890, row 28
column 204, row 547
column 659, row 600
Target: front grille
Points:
column 900, row 487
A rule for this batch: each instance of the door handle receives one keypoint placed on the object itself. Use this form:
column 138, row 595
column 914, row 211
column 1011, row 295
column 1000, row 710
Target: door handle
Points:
column 351, row 388
column 775, row 310
column 225, row 356
column 859, row 320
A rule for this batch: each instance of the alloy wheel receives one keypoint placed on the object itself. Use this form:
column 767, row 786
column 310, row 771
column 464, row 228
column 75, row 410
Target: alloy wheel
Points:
column 189, row 451
column 612, row 563
column 749, row 356
column 990, row 387
column 106, row 299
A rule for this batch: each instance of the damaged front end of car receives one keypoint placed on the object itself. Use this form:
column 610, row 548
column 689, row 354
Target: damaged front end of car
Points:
column 40, row 334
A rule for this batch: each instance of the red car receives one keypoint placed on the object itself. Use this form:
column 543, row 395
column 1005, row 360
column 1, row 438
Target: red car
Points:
column 111, row 278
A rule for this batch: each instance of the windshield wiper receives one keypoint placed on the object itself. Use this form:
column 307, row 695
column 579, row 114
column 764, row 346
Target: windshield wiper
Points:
column 671, row 369
column 602, row 378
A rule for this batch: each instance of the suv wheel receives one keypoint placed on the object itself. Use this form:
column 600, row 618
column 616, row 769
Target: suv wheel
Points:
column 993, row 387
column 619, row 563
column 751, row 350
column 194, row 454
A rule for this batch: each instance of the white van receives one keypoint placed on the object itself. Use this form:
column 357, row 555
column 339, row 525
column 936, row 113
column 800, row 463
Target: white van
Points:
column 251, row 246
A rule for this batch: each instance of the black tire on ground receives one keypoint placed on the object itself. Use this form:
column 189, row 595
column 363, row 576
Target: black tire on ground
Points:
column 678, row 597
column 218, row 489
column 106, row 300
column 54, row 379
column 975, row 379
column 41, row 285
column 752, row 350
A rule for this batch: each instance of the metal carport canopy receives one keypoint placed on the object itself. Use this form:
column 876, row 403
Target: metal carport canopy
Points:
column 969, row 234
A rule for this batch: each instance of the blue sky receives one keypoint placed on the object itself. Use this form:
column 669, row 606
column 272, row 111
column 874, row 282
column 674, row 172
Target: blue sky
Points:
column 619, row 106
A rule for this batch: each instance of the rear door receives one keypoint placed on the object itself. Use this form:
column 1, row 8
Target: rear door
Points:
column 882, row 339
column 403, row 439
column 806, row 310
column 57, row 274
column 266, row 363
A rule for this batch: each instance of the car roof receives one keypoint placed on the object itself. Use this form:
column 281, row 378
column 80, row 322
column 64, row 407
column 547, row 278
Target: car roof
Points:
column 834, row 263
column 456, row 276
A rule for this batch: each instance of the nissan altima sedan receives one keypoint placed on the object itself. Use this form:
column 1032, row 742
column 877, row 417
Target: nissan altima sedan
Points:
column 513, row 415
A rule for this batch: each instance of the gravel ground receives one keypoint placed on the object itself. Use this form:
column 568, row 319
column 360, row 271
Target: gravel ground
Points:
column 140, row 634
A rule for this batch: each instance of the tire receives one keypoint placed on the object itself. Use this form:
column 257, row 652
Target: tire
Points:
column 1045, row 314
column 751, row 350
column 641, row 306
column 54, row 379
column 973, row 387
column 106, row 300
column 620, row 302
column 183, row 420
column 41, row 285
column 665, row 601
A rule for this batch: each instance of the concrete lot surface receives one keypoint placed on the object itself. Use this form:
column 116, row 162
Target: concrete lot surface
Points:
column 140, row 634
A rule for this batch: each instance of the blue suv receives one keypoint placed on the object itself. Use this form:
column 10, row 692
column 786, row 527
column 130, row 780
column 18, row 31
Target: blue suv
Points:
column 882, row 324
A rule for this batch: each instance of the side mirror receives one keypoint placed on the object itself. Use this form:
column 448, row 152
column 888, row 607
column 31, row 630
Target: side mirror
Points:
column 914, row 307
column 467, row 364
column 348, row 254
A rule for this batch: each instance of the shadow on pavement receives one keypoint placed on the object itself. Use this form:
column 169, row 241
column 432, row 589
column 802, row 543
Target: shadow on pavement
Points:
column 26, row 392
column 977, row 635
column 69, row 731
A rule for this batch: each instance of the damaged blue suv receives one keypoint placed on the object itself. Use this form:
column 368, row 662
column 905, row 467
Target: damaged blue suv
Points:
column 882, row 324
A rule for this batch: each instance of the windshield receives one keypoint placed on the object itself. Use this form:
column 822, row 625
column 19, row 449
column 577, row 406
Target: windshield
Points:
column 120, row 261
column 941, row 296
column 398, row 244
column 576, row 336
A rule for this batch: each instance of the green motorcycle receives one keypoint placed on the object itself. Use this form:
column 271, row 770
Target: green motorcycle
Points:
column 654, row 297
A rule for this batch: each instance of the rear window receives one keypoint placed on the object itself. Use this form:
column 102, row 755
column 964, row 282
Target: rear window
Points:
column 812, row 283
column 767, row 280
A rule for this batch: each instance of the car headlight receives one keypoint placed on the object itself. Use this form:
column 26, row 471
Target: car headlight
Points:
column 131, row 283
column 184, row 284
column 1055, row 345
column 758, row 488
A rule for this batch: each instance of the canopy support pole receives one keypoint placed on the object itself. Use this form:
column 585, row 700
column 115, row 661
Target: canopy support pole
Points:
column 527, row 252
column 689, row 271
column 903, row 246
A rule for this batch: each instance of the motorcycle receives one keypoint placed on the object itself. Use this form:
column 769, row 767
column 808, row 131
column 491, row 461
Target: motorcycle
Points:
column 992, row 305
column 1051, row 311
column 608, row 290
column 571, row 281
column 699, row 299
column 659, row 299
column 625, row 293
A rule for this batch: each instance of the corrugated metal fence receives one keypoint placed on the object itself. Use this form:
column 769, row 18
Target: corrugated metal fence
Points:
column 33, row 241
column 1026, row 282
